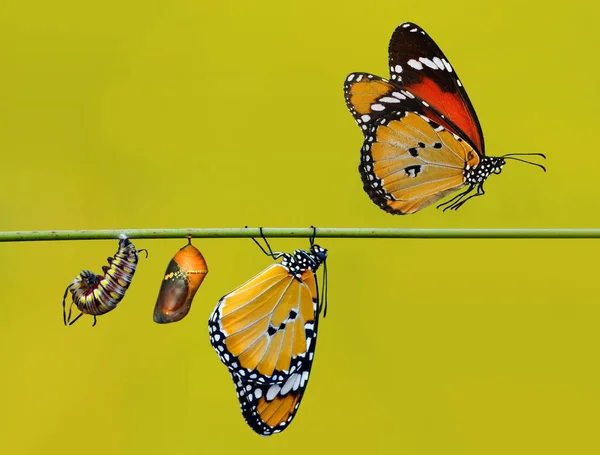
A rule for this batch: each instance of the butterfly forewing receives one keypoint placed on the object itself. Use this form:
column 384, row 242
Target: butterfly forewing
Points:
column 370, row 97
column 418, row 64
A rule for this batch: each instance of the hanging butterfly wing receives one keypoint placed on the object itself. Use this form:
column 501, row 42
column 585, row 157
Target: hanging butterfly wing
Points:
column 265, row 333
column 421, row 67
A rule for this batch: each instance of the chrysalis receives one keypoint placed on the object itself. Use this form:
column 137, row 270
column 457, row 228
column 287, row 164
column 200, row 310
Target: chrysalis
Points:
column 185, row 273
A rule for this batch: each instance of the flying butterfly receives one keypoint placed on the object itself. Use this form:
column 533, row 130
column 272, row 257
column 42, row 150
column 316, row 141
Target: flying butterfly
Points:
column 422, row 137
column 184, row 275
column 265, row 332
column 98, row 294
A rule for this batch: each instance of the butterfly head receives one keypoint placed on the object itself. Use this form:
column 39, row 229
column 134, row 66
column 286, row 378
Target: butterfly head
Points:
column 319, row 253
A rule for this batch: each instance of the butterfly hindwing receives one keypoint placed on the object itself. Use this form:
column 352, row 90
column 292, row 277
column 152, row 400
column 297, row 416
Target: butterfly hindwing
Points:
column 409, row 162
column 418, row 64
column 269, row 406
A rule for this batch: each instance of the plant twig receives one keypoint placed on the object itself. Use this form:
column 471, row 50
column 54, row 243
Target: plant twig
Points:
column 382, row 233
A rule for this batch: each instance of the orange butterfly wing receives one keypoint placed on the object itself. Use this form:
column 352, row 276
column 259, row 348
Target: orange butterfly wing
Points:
column 265, row 333
column 409, row 163
column 408, row 159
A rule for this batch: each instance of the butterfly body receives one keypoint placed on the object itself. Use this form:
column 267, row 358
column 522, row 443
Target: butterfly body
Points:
column 422, row 138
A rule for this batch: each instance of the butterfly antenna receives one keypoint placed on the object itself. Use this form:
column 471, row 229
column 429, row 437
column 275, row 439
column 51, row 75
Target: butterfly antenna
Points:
column 508, row 157
column 144, row 250
column 525, row 154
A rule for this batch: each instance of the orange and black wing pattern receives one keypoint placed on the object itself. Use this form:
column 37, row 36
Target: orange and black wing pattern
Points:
column 419, row 65
column 265, row 333
column 409, row 162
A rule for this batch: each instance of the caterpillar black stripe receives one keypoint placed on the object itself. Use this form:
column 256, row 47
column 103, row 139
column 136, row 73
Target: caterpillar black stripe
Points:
column 98, row 294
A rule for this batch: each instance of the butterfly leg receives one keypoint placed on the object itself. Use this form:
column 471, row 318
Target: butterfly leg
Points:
column 146, row 251
column 270, row 252
column 456, row 199
column 94, row 321
column 480, row 192
column 312, row 238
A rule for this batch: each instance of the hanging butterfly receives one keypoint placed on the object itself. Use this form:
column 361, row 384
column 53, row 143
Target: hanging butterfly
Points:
column 423, row 140
column 98, row 294
column 265, row 332
column 184, row 275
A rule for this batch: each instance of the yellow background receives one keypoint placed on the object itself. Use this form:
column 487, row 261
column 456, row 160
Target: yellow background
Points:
column 218, row 114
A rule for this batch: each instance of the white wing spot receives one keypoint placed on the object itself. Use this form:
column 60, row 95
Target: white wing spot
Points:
column 378, row 107
column 289, row 384
column 425, row 61
column 389, row 99
column 304, row 378
column 399, row 95
column 458, row 82
column 297, row 383
column 447, row 65
column 365, row 118
column 349, row 78
column 414, row 29
column 359, row 78
column 257, row 393
column 272, row 392
column 438, row 62
column 398, row 68
column 414, row 64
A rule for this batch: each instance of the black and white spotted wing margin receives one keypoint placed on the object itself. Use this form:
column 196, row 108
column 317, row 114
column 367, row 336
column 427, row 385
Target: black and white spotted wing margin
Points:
column 264, row 400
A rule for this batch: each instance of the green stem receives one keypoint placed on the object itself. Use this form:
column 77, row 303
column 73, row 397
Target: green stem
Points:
column 382, row 233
